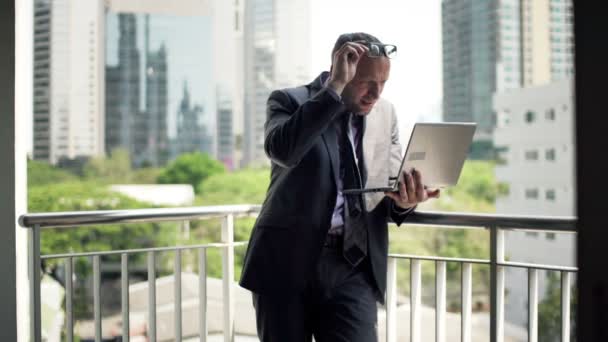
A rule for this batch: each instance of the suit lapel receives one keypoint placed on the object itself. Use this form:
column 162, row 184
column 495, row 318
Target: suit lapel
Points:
column 331, row 143
column 329, row 136
column 368, row 142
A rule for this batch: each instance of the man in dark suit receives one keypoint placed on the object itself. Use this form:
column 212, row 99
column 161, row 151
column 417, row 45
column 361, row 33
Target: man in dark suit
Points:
column 316, row 261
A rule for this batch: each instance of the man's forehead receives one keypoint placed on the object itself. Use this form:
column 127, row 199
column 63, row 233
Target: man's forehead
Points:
column 368, row 65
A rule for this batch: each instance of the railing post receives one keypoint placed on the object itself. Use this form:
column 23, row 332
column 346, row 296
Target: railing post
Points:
column 228, row 276
column 440, row 301
column 415, row 299
column 177, row 295
column 497, row 284
column 124, row 293
column 532, row 305
column 391, row 301
column 202, row 294
column 467, row 301
column 152, row 296
column 565, row 304
column 69, row 293
column 97, row 296
column 34, row 261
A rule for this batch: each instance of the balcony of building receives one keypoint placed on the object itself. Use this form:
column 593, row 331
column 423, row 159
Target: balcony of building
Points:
column 184, row 303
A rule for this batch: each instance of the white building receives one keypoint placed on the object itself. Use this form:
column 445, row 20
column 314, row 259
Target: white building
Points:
column 68, row 79
column 535, row 137
column 277, row 55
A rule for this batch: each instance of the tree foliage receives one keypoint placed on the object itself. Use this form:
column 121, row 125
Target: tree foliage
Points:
column 40, row 173
column 113, row 169
column 190, row 168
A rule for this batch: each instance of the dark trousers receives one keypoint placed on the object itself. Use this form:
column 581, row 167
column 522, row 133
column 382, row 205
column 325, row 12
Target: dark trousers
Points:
column 339, row 305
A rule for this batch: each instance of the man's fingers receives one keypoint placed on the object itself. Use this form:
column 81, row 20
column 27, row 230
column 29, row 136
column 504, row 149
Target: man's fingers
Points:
column 403, row 192
column 434, row 193
column 420, row 193
column 394, row 196
column 411, row 189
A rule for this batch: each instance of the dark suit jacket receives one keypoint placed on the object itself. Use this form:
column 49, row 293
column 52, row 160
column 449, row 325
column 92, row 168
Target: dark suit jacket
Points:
column 290, row 230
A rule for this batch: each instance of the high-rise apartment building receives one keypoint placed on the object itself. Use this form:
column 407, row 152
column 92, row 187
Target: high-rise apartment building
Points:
column 68, row 79
column 277, row 47
column 535, row 136
column 495, row 45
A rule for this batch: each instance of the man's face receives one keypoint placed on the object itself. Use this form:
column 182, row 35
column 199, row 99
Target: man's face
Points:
column 362, row 92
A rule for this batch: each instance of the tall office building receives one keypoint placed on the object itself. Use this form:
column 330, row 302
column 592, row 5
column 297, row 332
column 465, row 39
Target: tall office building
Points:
column 496, row 45
column 123, row 90
column 191, row 136
column 227, row 26
column 156, row 114
column 152, row 50
column 277, row 42
column 225, row 126
column 68, row 79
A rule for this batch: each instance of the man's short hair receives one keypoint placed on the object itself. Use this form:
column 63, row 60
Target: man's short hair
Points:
column 353, row 37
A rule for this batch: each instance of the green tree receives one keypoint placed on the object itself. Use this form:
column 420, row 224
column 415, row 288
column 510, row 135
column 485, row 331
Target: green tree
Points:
column 190, row 168
column 549, row 311
column 113, row 169
column 40, row 173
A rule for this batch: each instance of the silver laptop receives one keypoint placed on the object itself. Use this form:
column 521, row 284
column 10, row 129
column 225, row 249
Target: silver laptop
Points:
column 437, row 150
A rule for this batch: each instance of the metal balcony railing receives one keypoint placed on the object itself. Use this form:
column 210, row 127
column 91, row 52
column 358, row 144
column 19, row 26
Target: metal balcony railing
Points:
column 495, row 224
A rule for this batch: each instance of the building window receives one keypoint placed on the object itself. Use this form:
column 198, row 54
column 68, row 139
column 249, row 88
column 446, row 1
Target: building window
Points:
column 531, row 234
column 531, row 193
column 531, row 155
column 550, row 236
column 550, row 154
column 550, row 114
column 550, row 195
column 530, row 116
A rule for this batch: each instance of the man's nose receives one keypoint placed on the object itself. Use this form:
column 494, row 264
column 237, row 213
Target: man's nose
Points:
column 374, row 91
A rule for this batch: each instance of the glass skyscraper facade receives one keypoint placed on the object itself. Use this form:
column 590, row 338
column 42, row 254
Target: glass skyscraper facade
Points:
column 149, row 58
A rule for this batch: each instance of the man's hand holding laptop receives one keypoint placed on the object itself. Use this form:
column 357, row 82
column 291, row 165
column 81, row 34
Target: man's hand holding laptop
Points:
column 412, row 191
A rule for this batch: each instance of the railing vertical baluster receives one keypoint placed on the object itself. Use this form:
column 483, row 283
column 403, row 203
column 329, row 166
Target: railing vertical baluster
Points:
column 532, row 305
column 202, row 294
column 97, row 296
column 415, row 295
column 69, row 292
column 124, row 290
column 500, row 303
column 391, row 300
column 466, row 307
column 497, row 284
column 34, row 261
column 228, row 276
column 152, row 296
column 440, row 300
column 565, row 306
column 177, row 303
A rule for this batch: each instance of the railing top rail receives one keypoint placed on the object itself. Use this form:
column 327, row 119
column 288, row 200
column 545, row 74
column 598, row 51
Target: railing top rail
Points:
column 86, row 218
column 544, row 223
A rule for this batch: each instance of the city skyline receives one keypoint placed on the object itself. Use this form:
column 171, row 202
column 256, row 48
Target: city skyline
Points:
column 408, row 75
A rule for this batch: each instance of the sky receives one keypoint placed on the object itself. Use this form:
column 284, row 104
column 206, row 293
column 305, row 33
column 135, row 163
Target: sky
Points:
column 414, row 86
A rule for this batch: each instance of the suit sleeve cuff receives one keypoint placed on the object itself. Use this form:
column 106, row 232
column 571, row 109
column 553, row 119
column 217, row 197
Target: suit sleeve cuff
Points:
column 333, row 93
column 400, row 211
